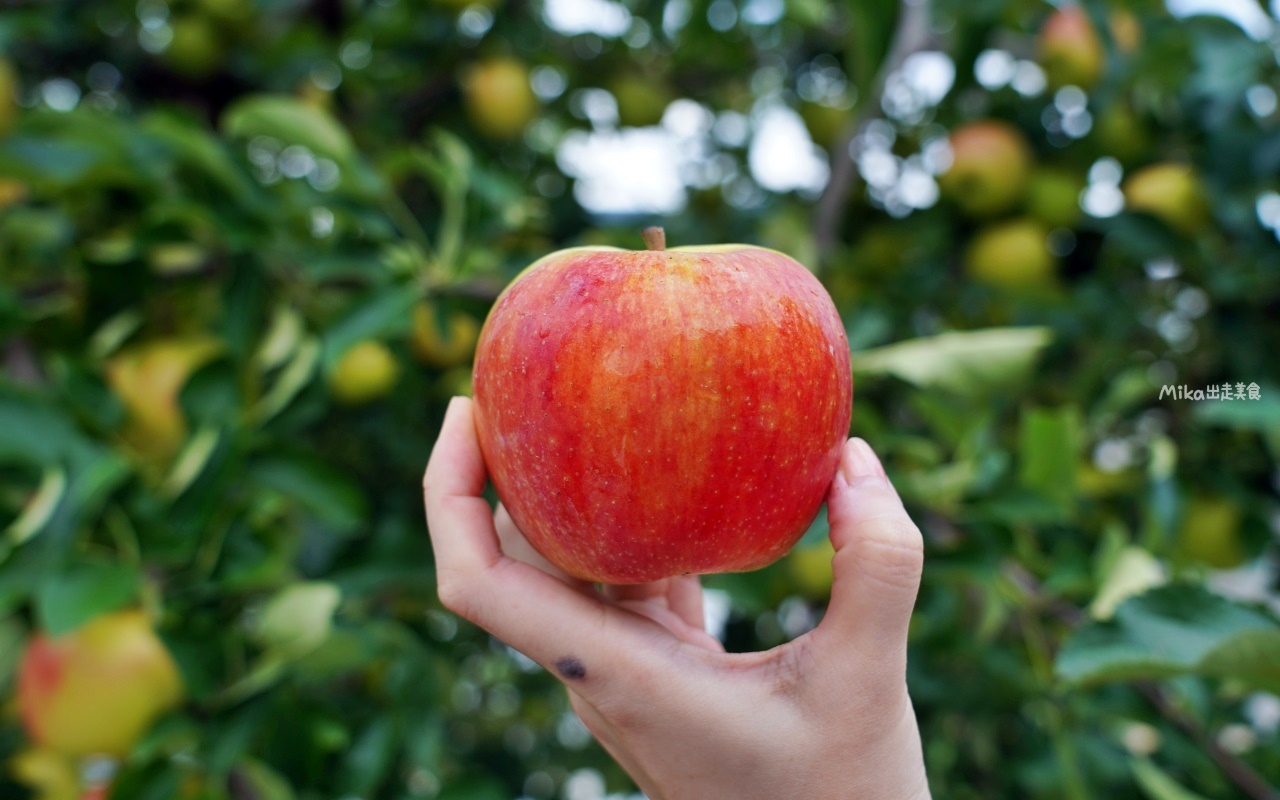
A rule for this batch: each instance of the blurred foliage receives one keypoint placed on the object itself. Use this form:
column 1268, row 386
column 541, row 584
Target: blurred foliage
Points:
column 245, row 246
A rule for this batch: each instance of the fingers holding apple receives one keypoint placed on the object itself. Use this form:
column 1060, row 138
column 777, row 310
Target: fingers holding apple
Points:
column 878, row 562
column 584, row 641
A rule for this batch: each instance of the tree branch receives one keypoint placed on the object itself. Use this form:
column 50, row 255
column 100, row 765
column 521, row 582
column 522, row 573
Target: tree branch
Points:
column 1240, row 773
column 910, row 36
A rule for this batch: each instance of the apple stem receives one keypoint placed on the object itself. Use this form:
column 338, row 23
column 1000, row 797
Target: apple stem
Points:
column 655, row 238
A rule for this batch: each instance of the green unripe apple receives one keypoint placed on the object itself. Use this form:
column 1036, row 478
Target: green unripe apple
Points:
column 990, row 163
column 1012, row 255
column 1121, row 133
column 1210, row 532
column 195, row 50
column 641, row 101
column 810, row 568
column 1053, row 196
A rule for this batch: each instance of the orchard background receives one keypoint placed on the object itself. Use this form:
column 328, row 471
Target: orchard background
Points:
column 246, row 245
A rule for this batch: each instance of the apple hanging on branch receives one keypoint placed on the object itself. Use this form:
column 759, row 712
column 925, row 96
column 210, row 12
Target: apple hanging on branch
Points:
column 97, row 689
column 647, row 414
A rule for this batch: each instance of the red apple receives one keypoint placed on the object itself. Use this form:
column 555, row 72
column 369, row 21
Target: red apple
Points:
column 646, row 414
column 96, row 690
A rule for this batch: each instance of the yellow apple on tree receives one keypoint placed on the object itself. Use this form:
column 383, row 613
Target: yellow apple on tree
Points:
column 990, row 164
column 1012, row 255
column 1070, row 50
column 443, row 343
column 1169, row 191
column 96, row 690
column 195, row 49
column 498, row 97
column 148, row 378
column 641, row 100
column 366, row 371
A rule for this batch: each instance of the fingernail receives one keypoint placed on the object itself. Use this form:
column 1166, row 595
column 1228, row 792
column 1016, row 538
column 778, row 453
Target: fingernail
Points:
column 859, row 461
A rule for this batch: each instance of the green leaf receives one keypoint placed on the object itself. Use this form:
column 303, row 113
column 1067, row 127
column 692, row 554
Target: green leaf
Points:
column 1176, row 630
column 295, row 377
column 83, row 592
column 37, row 511
column 370, row 758
column 1048, row 446
column 191, row 462
column 1157, row 784
column 382, row 313
column 298, row 618
column 193, row 145
column 292, row 122
column 317, row 486
column 969, row 363
column 263, row 782
column 1261, row 415
column 1132, row 572
column 11, row 638
column 475, row 788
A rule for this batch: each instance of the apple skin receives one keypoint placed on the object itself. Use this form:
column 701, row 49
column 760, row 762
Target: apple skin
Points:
column 646, row 414
column 1070, row 50
column 990, row 164
column 96, row 690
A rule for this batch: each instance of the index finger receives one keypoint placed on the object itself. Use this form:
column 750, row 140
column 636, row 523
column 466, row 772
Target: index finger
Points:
column 580, row 638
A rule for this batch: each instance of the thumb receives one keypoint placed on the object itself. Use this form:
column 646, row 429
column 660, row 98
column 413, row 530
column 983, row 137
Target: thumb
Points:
column 879, row 557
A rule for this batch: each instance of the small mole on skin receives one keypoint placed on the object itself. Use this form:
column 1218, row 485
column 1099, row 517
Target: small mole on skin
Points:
column 571, row 668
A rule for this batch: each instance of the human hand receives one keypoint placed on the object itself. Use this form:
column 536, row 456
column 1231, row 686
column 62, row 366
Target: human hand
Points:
column 826, row 715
